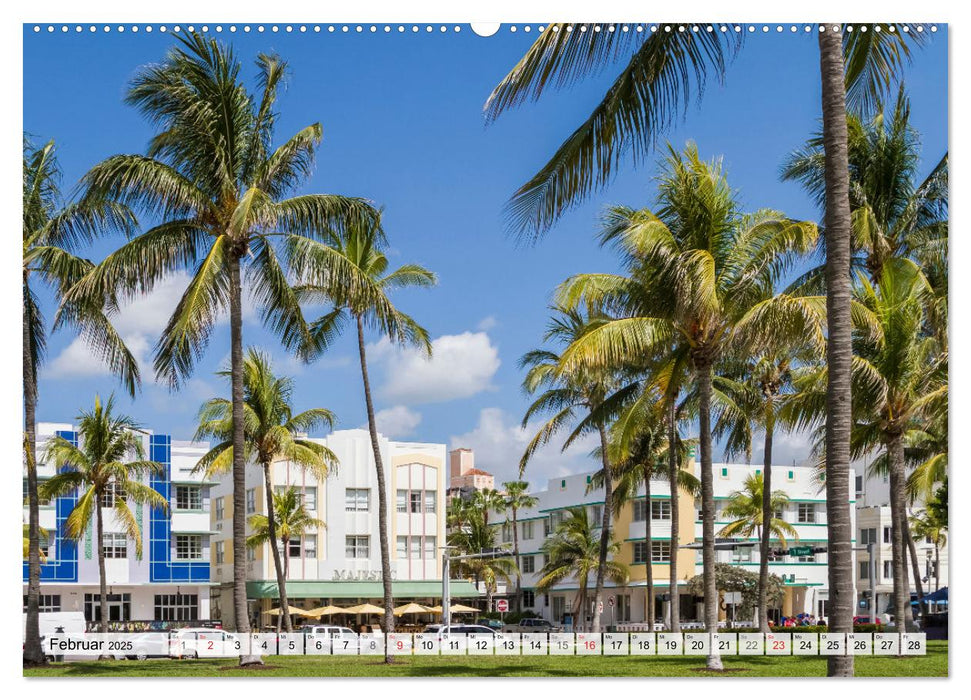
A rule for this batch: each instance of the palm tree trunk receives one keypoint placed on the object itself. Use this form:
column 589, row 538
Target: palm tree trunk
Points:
column 281, row 577
column 388, row 624
column 839, row 351
column 240, row 607
column 915, row 565
column 901, row 590
column 766, row 530
column 515, row 554
column 649, row 542
column 674, row 603
column 604, row 531
column 937, row 566
column 33, row 650
column 102, row 574
column 707, row 509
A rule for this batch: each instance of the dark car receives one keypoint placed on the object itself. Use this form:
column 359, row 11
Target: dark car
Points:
column 494, row 624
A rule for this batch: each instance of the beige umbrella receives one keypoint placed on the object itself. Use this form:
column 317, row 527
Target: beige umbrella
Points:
column 365, row 609
column 410, row 609
column 462, row 608
column 326, row 610
column 292, row 610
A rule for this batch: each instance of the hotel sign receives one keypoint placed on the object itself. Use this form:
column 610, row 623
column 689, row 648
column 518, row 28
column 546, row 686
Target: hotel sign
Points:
column 359, row 575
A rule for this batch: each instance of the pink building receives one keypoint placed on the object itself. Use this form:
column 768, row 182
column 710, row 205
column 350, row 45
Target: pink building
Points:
column 463, row 477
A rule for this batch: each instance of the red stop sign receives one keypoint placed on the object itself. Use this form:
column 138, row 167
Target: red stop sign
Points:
column 502, row 605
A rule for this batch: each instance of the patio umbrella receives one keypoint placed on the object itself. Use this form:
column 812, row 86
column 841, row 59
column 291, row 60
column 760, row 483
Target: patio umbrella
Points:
column 410, row 609
column 326, row 610
column 462, row 609
column 938, row 596
column 365, row 609
column 293, row 611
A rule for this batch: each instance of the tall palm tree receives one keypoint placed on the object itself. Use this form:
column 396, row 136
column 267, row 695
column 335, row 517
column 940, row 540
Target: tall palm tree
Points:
column 103, row 474
column 701, row 275
column 361, row 247
column 273, row 432
column 476, row 536
column 579, row 397
column 573, row 552
column 288, row 518
column 53, row 231
column 925, row 524
column 517, row 498
column 654, row 86
column 640, row 443
column 485, row 500
column 219, row 190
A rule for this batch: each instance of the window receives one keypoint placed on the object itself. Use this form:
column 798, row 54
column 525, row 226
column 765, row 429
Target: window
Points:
column 640, row 510
column 357, row 547
column 414, row 502
column 779, row 514
column 251, row 554
column 220, row 507
column 529, row 599
column 115, row 545
column 402, row 501
column 188, row 498
column 310, row 546
column 888, row 569
column 806, row 513
column 220, row 552
column 119, row 607
column 45, row 546
column 310, row 497
column 414, row 549
column 660, row 551
column 188, row 546
column 250, row 501
column 660, row 510
column 177, row 607
column 859, row 485
column 887, row 535
column 113, row 492
column 46, row 603
column 868, row 535
column 529, row 564
column 640, row 552
column 357, row 500
column 430, row 547
column 807, row 558
column 864, row 569
column 597, row 514
column 547, row 527
column 528, row 530
column 41, row 501
column 430, row 501
column 742, row 554
column 402, row 548
column 294, row 546
column 775, row 556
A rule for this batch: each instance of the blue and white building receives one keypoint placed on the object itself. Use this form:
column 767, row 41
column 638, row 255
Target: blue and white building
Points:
column 169, row 582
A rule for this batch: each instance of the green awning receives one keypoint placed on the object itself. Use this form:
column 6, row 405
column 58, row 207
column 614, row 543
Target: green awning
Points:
column 361, row 589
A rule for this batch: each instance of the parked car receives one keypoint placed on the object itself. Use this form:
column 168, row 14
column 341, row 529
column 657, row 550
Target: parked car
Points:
column 184, row 643
column 343, row 637
column 494, row 624
column 532, row 625
column 866, row 620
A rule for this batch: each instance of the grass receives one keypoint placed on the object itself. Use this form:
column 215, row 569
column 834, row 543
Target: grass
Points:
column 933, row 664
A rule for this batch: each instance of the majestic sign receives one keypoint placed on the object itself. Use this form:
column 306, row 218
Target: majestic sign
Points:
column 361, row 575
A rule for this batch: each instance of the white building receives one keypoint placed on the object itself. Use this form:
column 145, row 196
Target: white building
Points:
column 169, row 583
column 341, row 564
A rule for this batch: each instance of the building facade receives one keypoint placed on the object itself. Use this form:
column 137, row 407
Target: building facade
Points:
column 463, row 477
column 169, row 583
column 804, row 575
column 340, row 564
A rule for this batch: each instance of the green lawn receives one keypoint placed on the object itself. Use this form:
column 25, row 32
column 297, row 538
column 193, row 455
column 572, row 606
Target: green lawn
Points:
column 933, row 664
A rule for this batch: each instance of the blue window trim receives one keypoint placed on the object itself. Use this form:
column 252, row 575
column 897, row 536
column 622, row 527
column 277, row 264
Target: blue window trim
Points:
column 64, row 568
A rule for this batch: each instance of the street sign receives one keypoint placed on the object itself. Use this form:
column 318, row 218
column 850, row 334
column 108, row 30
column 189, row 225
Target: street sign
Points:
column 600, row 607
column 502, row 605
column 732, row 597
column 803, row 551
column 610, row 601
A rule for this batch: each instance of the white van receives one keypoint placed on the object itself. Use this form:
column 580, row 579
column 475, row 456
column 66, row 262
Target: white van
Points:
column 61, row 623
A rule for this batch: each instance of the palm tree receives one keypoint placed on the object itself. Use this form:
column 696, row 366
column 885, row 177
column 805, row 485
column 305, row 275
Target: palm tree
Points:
column 745, row 509
column 272, row 433
column 288, row 518
column 574, row 551
column 700, row 279
column 99, row 472
column 361, row 248
column 219, row 190
column 517, row 498
column 476, row 536
column 653, row 87
column 53, row 230
column 485, row 500
column 566, row 395
column 640, row 443
column 925, row 524
column 42, row 534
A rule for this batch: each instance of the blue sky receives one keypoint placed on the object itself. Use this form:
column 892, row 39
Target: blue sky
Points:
column 403, row 126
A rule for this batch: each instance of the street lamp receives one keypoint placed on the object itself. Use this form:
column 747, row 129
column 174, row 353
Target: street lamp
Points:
column 446, row 560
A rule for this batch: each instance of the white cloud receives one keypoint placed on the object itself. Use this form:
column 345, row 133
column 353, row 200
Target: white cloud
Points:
column 460, row 366
column 397, row 422
column 499, row 442
column 787, row 448
column 487, row 324
column 139, row 322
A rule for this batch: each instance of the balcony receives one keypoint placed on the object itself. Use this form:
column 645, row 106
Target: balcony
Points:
column 196, row 521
